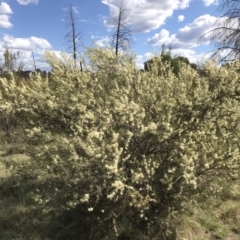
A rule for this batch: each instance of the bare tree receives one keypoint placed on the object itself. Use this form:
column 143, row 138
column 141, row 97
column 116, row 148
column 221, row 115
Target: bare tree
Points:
column 122, row 37
column 73, row 37
column 34, row 62
column 226, row 36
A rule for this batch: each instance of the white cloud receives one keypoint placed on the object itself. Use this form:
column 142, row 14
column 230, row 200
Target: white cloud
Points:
column 32, row 43
column 180, row 18
column 199, row 58
column 188, row 36
column 184, row 4
column 26, row 46
column 73, row 8
column 190, row 54
column 26, row 2
column 26, row 58
column 224, row 54
column 193, row 31
column 210, row 2
column 143, row 58
column 5, row 8
column 4, row 21
column 145, row 15
column 102, row 42
column 193, row 57
column 4, row 18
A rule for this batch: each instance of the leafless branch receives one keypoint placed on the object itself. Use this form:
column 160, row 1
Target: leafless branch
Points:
column 121, row 37
column 73, row 37
column 226, row 36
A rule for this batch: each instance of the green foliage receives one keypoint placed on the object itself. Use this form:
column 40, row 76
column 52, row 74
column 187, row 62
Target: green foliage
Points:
column 11, row 61
column 125, row 150
column 168, row 62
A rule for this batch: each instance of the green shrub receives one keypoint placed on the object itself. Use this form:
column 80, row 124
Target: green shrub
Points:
column 125, row 150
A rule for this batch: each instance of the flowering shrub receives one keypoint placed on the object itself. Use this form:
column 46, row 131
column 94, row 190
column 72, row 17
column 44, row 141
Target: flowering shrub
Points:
column 127, row 149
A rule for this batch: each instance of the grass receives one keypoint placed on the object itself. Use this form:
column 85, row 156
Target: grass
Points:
column 19, row 217
column 216, row 217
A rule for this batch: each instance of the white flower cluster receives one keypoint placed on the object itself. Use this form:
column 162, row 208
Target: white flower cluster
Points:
column 85, row 198
column 119, row 188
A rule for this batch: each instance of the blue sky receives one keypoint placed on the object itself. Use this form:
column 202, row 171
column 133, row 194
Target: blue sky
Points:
column 39, row 25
